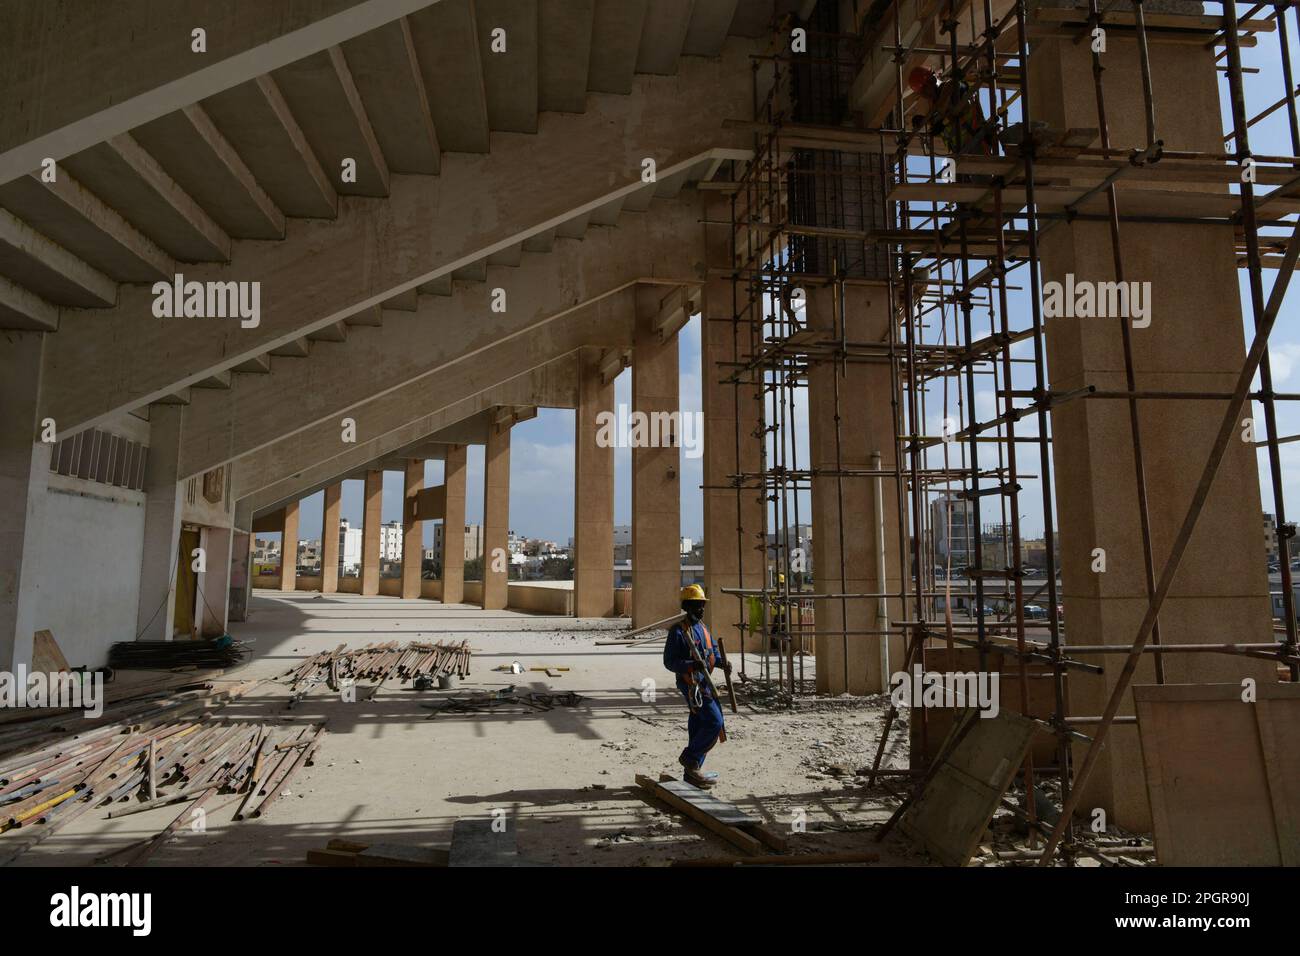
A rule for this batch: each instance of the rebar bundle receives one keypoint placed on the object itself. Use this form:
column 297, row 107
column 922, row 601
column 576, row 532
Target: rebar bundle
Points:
column 161, row 655
column 130, row 768
column 378, row 663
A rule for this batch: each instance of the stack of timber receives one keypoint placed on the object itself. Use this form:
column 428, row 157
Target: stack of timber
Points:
column 378, row 663
column 158, row 753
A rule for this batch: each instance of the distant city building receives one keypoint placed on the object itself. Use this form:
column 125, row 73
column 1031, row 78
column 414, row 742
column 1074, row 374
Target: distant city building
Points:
column 1271, row 546
column 390, row 541
column 349, row 548
column 799, row 536
column 952, row 521
column 309, row 554
column 473, row 542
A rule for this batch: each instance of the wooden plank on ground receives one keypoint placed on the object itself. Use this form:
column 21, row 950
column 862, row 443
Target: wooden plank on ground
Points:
column 720, row 810
column 697, row 812
column 397, row 854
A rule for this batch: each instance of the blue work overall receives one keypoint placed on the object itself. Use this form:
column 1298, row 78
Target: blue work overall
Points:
column 705, row 723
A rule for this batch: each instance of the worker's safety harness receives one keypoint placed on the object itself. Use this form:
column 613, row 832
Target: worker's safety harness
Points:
column 697, row 682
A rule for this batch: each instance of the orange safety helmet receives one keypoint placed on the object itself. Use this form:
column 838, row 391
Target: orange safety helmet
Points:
column 919, row 78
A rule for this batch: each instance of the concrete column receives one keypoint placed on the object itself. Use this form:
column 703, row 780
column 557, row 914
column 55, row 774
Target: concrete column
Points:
column 656, row 471
column 1194, row 342
column 734, row 548
column 214, row 581
column 846, row 553
column 371, row 518
column 240, row 564
column 453, row 525
column 412, row 529
column 289, row 548
column 162, row 525
column 593, row 486
column 329, row 539
column 24, row 467
column 496, row 518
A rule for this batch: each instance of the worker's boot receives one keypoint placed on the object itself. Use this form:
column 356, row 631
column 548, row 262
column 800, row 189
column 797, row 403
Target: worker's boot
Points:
column 696, row 777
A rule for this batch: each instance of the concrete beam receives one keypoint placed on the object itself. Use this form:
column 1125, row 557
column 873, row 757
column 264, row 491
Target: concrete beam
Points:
column 22, row 309
column 298, row 468
column 86, row 74
column 510, row 78
column 615, row 39
column 386, row 69
column 710, row 24
column 259, row 216
column 663, row 36
column 326, row 270
column 564, row 54
column 49, row 270
column 413, row 346
column 448, row 34
column 73, row 216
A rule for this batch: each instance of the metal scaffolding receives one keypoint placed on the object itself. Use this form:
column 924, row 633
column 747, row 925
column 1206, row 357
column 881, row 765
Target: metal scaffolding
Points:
column 828, row 203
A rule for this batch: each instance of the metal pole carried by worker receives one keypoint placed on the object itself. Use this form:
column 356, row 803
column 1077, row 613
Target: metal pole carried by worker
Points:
column 691, row 653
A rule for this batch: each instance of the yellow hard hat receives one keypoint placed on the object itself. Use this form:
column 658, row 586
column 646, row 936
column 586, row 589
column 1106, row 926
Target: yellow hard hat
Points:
column 693, row 592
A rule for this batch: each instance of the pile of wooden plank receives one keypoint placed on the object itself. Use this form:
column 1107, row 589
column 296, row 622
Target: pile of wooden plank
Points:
column 378, row 663
column 164, row 758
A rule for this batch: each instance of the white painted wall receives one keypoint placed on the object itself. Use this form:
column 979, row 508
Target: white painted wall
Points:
column 92, row 537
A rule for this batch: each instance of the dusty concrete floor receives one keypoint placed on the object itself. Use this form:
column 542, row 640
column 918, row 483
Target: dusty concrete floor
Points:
column 387, row 771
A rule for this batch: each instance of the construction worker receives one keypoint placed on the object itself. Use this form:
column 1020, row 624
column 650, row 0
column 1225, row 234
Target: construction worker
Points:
column 689, row 644
column 952, row 111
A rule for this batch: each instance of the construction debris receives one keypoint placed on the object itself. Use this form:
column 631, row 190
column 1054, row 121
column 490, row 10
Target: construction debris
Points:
column 416, row 661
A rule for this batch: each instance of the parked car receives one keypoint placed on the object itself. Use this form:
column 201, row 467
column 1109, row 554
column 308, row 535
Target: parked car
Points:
column 1035, row 612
